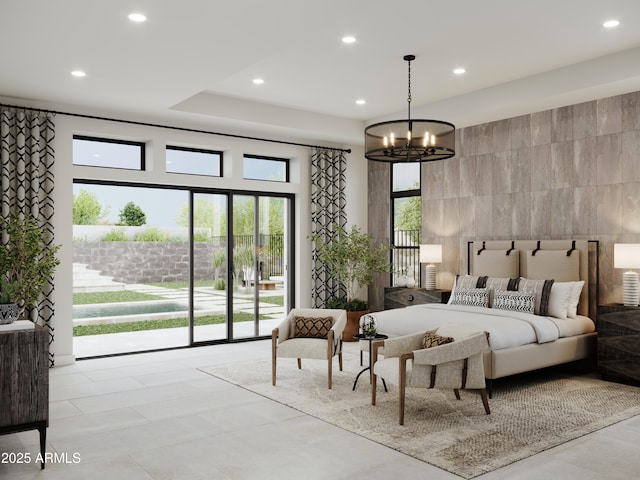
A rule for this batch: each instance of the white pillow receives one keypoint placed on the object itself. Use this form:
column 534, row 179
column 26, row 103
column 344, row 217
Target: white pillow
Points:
column 574, row 299
column 559, row 299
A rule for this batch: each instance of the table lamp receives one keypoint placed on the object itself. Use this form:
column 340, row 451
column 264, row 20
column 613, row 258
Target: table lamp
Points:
column 430, row 254
column 627, row 255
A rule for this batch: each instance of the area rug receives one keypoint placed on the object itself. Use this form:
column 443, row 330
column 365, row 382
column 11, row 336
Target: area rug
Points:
column 529, row 413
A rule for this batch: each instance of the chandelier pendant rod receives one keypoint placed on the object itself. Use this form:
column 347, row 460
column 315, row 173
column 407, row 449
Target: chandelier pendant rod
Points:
column 409, row 58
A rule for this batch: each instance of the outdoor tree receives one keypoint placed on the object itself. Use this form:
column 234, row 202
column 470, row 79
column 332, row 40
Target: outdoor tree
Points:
column 207, row 214
column 211, row 215
column 132, row 215
column 409, row 216
column 87, row 209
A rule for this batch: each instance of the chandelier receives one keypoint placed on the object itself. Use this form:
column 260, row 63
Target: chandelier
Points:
column 410, row 140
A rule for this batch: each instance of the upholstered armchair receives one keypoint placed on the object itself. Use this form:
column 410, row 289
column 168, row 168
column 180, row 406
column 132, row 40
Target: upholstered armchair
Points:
column 309, row 333
column 457, row 364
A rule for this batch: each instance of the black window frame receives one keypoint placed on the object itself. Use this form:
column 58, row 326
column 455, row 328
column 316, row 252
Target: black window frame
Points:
column 142, row 145
column 263, row 157
column 416, row 192
column 197, row 150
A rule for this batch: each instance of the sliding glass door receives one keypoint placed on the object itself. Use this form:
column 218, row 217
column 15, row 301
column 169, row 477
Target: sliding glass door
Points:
column 260, row 260
column 160, row 268
column 209, row 267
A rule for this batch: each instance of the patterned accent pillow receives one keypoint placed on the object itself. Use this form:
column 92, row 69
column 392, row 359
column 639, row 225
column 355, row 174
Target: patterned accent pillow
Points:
column 462, row 281
column 471, row 297
column 312, row 327
column 494, row 284
column 542, row 289
column 432, row 339
column 515, row 301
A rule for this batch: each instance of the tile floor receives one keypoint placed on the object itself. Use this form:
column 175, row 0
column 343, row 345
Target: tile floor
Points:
column 155, row 416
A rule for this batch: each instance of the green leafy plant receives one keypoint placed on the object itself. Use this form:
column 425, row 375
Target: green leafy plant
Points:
column 353, row 260
column 243, row 261
column 8, row 290
column 218, row 258
column 132, row 215
column 27, row 261
column 200, row 236
column 115, row 235
column 87, row 209
column 353, row 305
column 220, row 284
column 151, row 234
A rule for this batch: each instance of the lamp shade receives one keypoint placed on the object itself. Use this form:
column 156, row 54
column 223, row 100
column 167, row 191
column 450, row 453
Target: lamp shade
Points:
column 410, row 140
column 626, row 255
column 431, row 253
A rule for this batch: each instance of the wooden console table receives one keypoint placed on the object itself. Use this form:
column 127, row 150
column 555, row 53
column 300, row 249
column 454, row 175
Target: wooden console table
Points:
column 24, row 382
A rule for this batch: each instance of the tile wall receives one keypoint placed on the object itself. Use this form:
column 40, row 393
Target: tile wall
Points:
column 570, row 172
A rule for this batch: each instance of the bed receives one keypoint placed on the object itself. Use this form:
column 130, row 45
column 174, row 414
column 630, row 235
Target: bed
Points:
column 532, row 297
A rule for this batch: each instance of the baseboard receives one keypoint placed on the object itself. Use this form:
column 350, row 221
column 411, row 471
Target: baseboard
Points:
column 62, row 360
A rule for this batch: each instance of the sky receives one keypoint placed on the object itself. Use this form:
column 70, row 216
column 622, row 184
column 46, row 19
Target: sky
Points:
column 160, row 205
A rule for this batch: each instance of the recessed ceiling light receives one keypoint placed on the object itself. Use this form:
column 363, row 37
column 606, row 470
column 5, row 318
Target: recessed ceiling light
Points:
column 258, row 81
column 137, row 17
column 459, row 71
column 348, row 39
column 78, row 73
column 361, row 101
column 611, row 23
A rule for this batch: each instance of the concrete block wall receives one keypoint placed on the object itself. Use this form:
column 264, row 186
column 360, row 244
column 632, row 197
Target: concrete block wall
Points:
column 145, row 262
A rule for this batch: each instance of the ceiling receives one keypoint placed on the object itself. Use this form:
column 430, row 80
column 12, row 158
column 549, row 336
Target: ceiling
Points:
column 193, row 61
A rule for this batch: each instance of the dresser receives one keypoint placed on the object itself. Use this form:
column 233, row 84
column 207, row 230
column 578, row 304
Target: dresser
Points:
column 619, row 343
column 24, row 382
column 398, row 297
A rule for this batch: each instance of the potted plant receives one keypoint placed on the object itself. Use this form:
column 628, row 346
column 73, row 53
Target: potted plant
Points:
column 353, row 260
column 8, row 309
column 27, row 261
column 243, row 262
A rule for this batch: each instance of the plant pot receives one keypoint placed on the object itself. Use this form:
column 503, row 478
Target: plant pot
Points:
column 353, row 325
column 8, row 313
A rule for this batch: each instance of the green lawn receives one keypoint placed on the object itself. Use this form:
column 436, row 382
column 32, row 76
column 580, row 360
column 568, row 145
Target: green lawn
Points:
column 185, row 285
column 276, row 300
column 81, row 330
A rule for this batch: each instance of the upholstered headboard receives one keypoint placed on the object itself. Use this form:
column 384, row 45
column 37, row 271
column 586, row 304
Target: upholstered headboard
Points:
column 560, row 260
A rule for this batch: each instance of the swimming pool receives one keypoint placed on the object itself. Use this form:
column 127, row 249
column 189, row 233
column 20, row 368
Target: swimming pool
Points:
column 128, row 308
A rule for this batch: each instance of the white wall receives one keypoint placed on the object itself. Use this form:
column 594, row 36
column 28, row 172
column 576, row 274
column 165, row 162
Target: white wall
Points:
column 156, row 140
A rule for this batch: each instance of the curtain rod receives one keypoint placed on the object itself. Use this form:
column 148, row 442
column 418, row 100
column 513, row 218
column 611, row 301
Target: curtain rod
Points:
column 182, row 129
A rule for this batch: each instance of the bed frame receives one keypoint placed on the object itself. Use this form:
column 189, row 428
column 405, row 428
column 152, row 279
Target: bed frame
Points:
column 561, row 260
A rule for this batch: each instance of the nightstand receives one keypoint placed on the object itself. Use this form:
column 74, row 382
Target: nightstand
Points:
column 398, row 297
column 618, row 343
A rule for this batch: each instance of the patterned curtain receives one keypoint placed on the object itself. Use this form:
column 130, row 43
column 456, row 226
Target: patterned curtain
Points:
column 328, row 201
column 26, row 159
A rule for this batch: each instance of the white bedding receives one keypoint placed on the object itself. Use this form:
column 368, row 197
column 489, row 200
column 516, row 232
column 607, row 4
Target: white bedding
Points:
column 506, row 328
